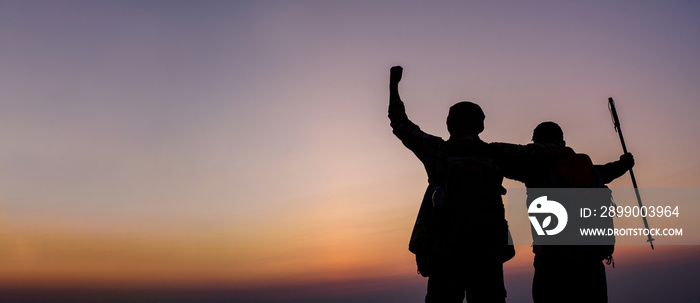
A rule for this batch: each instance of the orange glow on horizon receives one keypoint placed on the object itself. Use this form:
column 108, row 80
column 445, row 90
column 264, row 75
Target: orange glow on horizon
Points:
column 47, row 255
column 76, row 259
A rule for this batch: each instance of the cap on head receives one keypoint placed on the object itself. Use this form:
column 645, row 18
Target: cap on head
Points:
column 548, row 132
column 465, row 117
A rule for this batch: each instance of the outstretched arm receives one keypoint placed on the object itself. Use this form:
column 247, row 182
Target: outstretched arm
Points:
column 519, row 161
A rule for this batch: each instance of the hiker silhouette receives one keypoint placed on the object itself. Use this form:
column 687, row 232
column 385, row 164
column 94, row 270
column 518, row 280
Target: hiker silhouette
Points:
column 566, row 273
column 463, row 195
column 461, row 238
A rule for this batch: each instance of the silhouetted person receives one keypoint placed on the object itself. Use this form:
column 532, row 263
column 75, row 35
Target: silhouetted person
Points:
column 466, row 192
column 566, row 273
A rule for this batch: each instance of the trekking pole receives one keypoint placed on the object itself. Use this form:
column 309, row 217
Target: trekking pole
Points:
column 616, row 122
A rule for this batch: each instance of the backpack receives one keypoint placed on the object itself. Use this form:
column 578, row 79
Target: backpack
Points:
column 575, row 171
column 578, row 171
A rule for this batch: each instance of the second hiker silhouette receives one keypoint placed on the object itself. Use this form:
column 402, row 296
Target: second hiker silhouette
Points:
column 566, row 273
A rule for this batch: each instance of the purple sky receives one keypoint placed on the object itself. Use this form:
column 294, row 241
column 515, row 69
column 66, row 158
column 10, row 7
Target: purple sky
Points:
column 269, row 117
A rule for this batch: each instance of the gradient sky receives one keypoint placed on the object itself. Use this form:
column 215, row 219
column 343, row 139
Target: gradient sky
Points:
column 246, row 143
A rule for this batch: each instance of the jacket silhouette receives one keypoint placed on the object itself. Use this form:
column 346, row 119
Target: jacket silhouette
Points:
column 464, row 246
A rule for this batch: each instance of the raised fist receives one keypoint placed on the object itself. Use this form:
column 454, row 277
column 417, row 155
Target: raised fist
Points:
column 395, row 76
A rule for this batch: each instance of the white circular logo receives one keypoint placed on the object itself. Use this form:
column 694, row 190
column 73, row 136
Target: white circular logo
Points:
column 543, row 206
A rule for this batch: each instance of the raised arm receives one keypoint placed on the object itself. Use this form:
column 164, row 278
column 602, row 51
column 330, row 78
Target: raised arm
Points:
column 419, row 142
column 397, row 110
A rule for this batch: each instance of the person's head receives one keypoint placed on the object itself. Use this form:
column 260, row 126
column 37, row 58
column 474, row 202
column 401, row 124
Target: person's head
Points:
column 548, row 133
column 465, row 118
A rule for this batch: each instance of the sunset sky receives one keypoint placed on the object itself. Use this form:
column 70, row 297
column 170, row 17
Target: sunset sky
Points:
column 246, row 144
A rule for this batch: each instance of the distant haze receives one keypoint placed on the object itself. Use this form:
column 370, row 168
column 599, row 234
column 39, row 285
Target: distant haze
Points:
column 246, row 145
